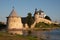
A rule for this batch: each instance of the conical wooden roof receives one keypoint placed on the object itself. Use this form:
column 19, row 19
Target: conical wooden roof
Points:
column 13, row 13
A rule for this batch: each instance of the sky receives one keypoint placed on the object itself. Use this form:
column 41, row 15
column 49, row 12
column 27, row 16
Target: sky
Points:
column 23, row 7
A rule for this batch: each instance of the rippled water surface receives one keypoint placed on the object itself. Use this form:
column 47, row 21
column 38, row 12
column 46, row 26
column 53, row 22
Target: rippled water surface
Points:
column 49, row 35
column 53, row 35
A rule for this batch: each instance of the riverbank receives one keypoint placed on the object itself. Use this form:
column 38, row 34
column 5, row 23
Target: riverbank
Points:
column 7, row 36
column 36, row 35
column 45, row 29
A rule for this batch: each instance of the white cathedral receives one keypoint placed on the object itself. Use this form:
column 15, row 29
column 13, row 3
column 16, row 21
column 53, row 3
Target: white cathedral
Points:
column 15, row 24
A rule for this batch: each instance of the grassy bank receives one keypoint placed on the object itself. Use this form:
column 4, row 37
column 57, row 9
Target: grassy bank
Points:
column 7, row 36
column 44, row 25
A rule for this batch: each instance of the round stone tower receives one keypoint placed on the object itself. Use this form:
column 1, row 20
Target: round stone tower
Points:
column 14, row 23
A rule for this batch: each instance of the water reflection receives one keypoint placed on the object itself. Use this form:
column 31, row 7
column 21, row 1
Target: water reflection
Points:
column 53, row 35
column 48, row 35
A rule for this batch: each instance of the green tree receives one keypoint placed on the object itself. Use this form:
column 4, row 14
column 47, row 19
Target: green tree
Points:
column 29, row 20
column 2, row 26
column 47, row 17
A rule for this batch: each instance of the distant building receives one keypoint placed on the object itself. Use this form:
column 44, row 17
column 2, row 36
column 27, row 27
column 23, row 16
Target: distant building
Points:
column 40, row 13
column 39, row 16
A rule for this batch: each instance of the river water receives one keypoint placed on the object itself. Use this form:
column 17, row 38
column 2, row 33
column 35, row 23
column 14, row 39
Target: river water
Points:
column 49, row 35
column 53, row 35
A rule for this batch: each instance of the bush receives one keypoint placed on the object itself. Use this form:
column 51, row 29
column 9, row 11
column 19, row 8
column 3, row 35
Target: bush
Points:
column 42, row 25
column 48, row 18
